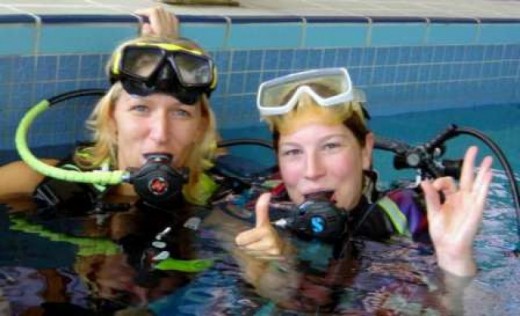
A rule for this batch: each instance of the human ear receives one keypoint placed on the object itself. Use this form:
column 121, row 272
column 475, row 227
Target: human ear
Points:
column 366, row 151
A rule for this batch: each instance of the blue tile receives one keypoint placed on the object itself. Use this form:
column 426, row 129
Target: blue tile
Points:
column 343, row 57
column 68, row 67
column 392, row 57
column 268, row 75
column 44, row 90
column 455, row 72
column 474, row 70
column 438, row 54
column 88, row 84
column 474, row 53
column 426, row 54
column 403, row 56
column 499, row 33
column 222, row 85
column 394, row 34
column 66, row 86
column 447, row 34
column 510, row 68
column 90, row 66
column 239, row 58
column 23, row 69
column 329, row 57
column 255, row 60
column 337, row 35
column 252, row 82
column 6, row 66
column 236, row 83
column 315, row 58
column 299, row 61
column 458, row 53
column 414, row 74
column 46, row 68
column 266, row 35
column 56, row 39
column 381, row 55
column 5, row 93
column 401, row 74
column 286, row 57
column 423, row 72
column 511, row 51
column 271, row 59
column 356, row 57
column 22, row 95
column 369, row 55
column 222, row 60
column 449, row 54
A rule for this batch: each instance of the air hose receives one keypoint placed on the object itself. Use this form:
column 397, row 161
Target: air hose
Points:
column 95, row 176
column 503, row 161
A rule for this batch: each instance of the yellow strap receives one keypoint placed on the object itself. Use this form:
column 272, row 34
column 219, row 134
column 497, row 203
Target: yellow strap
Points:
column 396, row 216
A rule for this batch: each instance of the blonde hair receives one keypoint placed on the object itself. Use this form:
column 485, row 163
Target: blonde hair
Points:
column 104, row 148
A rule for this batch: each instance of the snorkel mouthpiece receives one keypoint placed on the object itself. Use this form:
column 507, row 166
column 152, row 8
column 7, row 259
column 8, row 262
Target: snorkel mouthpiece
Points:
column 157, row 182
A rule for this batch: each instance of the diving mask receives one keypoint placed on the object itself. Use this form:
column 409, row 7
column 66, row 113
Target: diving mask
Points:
column 146, row 68
column 327, row 87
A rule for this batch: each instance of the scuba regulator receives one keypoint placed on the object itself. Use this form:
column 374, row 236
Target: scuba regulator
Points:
column 317, row 217
column 157, row 182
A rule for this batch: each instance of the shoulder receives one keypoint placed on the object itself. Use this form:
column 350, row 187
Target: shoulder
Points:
column 19, row 178
column 409, row 208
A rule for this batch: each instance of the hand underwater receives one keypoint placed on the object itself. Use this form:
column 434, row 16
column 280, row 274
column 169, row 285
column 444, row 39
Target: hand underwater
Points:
column 160, row 22
column 454, row 222
column 262, row 242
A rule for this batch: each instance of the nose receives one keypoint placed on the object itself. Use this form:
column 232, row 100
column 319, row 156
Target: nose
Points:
column 159, row 128
column 314, row 167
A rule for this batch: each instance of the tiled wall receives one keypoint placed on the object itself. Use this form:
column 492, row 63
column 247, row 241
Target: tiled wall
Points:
column 405, row 64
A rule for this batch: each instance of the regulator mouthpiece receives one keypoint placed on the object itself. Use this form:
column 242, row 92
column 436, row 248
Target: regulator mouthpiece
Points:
column 157, row 182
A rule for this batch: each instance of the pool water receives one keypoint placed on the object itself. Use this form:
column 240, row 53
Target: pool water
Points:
column 64, row 266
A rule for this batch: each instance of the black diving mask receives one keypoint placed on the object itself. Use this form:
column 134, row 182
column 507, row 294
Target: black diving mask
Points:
column 146, row 68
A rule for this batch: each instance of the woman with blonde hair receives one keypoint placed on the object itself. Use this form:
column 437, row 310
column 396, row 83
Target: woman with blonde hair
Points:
column 157, row 104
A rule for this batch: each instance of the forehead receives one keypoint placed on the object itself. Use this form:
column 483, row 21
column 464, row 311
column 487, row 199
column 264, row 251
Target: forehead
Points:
column 314, row 131
column 312, row 115
column 157, row 98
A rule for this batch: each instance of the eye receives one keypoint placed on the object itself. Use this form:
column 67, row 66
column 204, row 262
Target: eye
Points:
column 290, row 152
column 331, row 145
column 181, row 113
column 140, row 108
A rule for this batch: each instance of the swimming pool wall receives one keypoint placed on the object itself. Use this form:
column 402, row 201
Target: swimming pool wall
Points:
column 404, row 63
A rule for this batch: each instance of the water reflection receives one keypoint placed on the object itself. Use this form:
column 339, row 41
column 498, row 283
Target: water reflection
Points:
column 102, row 265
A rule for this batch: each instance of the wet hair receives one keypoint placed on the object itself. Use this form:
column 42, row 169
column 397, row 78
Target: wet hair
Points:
column 104, row 147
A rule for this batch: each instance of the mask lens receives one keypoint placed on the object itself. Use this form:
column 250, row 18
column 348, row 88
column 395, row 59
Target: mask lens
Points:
column 193, row 70
column 141, row 62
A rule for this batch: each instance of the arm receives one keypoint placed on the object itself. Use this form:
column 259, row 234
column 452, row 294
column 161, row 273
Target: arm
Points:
column 18, row 178
column 454, row 222
column 161, row 22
